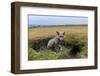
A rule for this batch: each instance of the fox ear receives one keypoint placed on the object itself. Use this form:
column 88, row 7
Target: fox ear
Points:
column 57, row 32
column 63, row 33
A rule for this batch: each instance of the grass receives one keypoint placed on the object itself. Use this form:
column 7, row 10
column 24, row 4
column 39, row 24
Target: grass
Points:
column 74, row 46
column 47, row 54
column 43, row 32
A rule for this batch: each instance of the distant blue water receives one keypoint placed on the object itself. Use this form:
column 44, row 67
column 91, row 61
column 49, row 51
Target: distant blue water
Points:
column 37, row 20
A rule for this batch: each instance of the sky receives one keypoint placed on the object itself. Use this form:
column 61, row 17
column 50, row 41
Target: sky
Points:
column 34, row 20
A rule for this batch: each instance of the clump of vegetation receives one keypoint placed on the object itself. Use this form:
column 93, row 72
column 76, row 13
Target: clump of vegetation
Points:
column 47, row 54
column 74, row 46
column 76, row 43
column 39, row 44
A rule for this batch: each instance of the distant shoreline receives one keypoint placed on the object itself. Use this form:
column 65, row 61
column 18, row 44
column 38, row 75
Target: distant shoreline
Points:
column 58, row 25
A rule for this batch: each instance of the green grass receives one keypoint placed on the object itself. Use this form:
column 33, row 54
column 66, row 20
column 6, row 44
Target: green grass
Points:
column 47, row 54
column 74, row 46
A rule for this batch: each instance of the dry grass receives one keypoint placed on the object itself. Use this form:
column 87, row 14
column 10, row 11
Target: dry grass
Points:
column 42, row 32
column 74, row 46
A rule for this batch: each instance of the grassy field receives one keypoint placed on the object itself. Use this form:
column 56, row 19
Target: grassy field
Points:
column 74, row 46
